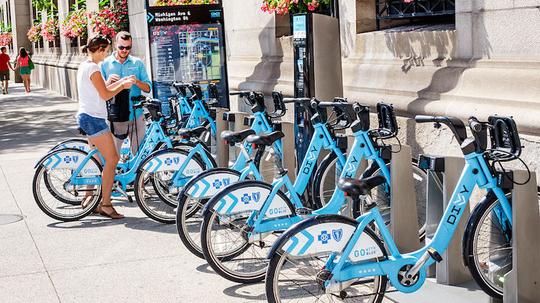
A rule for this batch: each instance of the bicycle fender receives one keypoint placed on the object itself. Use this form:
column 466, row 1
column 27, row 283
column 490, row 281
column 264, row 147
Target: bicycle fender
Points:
column 210, row 182
column 326, row 234
column 69, row 158
column 75, row 143
column 170, row 160
column 249, row 196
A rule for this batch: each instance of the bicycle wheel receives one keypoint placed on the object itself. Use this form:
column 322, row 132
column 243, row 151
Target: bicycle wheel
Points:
column 189, row 211
column 487, row 245
column 159, row 168
column 325, row 180
column 300, row 279
column 51, row 189
column 224, row 238
column 380, row 194
column 161, row 180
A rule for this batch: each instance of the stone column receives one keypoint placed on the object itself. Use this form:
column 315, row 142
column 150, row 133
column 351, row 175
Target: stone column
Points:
column 91, row 6
column 138, row 27
column 21, row 22
column 347, row 24
column 63, row 10
column 44, row 18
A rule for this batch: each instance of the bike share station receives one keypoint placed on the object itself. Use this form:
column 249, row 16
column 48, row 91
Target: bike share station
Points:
column 187, row 45
column 198, row 30
column 318, row 74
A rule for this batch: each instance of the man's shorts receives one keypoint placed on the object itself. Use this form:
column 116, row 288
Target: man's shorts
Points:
column 4, row 75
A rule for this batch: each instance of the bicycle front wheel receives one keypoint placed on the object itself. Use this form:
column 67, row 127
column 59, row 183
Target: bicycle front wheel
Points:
column 488, row 245
column 154, row 190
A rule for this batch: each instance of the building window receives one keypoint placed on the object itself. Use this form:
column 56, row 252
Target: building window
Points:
column 416, row 11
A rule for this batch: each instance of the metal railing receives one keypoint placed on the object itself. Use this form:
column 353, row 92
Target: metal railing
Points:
column 409, row 9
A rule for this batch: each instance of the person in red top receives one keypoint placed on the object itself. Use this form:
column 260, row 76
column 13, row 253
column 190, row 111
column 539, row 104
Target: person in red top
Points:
column 23, row 64
column 5, row 66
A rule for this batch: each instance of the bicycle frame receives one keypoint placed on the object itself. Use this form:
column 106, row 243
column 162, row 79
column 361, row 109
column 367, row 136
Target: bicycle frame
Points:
column 153, row 136
column 475, row 173
column 260, row 124
column 322, row 139
column 362, row 149
column 209, row 185
column 198, row 115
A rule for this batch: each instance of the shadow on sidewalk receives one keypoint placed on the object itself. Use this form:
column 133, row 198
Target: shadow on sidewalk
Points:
column 38, row 119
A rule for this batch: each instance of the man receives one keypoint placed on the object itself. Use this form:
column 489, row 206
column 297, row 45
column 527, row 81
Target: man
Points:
column 119, row 65
column 5, row 66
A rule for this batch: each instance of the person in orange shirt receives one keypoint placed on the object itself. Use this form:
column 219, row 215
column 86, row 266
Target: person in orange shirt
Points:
column 5, row 66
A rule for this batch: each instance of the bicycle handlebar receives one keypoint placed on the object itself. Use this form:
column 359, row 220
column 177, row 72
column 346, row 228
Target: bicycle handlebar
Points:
column 296, row 100
column 456, row 126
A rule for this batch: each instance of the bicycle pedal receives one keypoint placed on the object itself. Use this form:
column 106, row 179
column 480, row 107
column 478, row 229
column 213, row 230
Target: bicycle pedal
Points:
column 434, row 255
column 130, row 199
column 303, row 211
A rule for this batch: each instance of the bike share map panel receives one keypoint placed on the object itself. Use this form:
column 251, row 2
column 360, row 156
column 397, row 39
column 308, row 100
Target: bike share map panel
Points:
column 187, row 44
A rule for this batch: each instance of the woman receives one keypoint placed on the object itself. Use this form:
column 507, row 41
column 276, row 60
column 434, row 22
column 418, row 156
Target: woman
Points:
column 92, row 114
column 23, row 63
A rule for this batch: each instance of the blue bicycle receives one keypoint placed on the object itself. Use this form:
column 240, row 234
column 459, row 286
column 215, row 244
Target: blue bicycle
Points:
column 204, row 186
column 335, row 258
column 245, row 218
column 66, row 175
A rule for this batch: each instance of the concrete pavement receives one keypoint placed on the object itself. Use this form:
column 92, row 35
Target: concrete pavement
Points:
column 95, row 259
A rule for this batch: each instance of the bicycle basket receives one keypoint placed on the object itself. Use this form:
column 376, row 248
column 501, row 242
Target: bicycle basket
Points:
column 342, row 115
column 388, row 127
column 154, row 108
column 505, row 142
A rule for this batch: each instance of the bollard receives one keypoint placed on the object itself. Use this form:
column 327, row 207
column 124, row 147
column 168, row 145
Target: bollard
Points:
column 403, row 215
column 222, row 149
column 522, row 283
column 289, row 160
column 434, row 208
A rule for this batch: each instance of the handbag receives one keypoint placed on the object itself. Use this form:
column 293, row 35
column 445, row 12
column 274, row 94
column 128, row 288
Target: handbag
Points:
column 118, row 107
column 31, row 64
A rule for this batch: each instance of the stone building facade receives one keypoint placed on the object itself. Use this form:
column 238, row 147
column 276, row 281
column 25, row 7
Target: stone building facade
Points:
column 485, row 61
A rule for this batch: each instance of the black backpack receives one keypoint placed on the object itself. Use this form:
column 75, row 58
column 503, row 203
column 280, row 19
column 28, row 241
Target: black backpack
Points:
column 118, row 108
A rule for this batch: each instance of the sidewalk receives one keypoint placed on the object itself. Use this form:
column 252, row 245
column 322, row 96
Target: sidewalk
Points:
column 95, row 259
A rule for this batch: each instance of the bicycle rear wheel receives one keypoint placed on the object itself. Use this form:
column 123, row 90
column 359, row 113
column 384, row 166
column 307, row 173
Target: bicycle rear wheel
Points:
column 381, row 196
column 301, row 279
column 54, row 194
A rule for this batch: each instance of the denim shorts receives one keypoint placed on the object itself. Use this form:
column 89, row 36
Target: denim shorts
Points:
column 92, row 126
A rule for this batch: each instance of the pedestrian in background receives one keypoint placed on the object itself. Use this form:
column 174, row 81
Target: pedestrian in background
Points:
column 5, row 66
column 25, row 65
column 118, row 65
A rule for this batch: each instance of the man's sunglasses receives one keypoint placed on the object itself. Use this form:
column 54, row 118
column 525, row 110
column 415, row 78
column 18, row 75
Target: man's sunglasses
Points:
column 120, row 47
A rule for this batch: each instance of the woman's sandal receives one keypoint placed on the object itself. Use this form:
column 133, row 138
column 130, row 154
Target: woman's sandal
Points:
column 113, row 214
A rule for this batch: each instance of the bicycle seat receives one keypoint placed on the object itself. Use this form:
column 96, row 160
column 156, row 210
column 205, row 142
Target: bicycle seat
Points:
column 236, row 137
column 265, row 140
column 192, row 133
column 355, row 187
